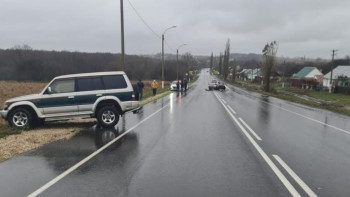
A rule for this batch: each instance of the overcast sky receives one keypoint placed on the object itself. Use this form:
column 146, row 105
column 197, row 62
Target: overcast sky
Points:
column 310, row 28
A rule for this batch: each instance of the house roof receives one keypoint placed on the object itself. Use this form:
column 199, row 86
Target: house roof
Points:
column 342, row 70
column 303, row 72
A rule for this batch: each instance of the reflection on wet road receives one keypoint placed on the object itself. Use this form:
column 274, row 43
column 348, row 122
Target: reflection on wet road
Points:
column 195, row 143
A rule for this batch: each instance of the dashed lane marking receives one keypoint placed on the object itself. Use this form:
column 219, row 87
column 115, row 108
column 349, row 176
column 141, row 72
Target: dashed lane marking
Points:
column 295, row 177
column 250, row 129
column 233, row 111
column 267, row 159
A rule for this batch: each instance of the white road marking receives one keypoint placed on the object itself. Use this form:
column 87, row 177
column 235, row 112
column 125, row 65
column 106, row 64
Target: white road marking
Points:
column 250, row 129
column 233, row 111
column 314, row 120
column 334, row 127
column 274, row 168
column 86, row 159
column 295, row 177
column 223, row 101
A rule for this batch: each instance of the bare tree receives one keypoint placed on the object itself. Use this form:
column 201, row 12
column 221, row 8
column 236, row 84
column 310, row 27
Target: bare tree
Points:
column 226, row 59
column 234, row 71
column 220, row 64
column 269, row 60
column 211, row 61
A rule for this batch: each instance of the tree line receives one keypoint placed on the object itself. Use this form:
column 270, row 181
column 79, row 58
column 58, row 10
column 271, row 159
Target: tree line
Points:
column 25, row 64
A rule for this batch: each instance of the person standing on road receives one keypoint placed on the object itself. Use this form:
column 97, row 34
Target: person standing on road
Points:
column 140, row 87
column 182, row 85
column 177, row 85
column 154, row 86
column 185, row 84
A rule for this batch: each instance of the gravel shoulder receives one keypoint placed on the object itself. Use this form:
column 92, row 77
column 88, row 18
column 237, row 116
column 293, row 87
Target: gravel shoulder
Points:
column 27, row 140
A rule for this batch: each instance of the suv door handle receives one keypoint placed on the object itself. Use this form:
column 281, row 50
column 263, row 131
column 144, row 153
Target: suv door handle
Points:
column 71, row 97
column 98, row 94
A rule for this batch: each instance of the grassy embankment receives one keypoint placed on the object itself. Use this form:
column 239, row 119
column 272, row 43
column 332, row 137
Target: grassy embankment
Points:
column 339, row 103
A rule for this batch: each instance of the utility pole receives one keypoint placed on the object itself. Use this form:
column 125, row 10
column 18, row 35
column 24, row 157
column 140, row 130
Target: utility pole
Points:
column 163, row 60
column 332, row 67
column 177, row 61
column 122, row 33
column 177, row 64
column 163, row 54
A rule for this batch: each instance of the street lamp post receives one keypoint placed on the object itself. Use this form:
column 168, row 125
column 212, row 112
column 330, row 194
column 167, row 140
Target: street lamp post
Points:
column 163, row 54
column 177, row 60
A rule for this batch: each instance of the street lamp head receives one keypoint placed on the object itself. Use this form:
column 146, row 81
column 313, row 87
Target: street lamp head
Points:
column 169, row 28
column 181, row 46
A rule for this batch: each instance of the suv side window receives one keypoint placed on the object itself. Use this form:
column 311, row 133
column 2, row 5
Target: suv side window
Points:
column 114, row 82
column 63, row 86
column 89, row 84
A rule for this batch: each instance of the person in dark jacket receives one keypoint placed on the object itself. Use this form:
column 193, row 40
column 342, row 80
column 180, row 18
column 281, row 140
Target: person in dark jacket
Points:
column 140, row 87
column 185, row 84
column 182, row 85
column 177, row 85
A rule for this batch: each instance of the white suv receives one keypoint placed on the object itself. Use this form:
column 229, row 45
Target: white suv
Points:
column 103, row 95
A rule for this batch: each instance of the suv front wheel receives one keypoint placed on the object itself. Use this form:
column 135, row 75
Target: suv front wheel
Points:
column 108, row 116
column 21, row 118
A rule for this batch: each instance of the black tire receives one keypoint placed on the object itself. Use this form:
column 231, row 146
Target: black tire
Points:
column 21, row 118
column 108, row 116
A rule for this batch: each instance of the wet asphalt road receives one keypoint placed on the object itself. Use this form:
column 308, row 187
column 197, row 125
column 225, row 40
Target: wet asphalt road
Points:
column 194, row 144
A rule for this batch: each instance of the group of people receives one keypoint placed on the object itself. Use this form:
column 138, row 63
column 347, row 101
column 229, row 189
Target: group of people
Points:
column 183, row 85
column 138, row 88
column 154, row 85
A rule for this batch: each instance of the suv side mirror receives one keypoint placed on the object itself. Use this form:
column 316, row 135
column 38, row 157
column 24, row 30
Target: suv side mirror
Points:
column 49, row 90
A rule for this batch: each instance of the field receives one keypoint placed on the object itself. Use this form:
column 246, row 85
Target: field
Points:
column 10, row 89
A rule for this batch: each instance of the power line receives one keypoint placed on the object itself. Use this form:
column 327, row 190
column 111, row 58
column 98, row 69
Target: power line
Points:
column 169, row 46
column 148, row 26
column 143, row 20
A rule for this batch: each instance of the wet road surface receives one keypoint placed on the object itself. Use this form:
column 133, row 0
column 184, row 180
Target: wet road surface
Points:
column 199, row 143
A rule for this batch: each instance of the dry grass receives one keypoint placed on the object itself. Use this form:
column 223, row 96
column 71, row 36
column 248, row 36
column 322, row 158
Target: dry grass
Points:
column 10, row 89
column 28, row 140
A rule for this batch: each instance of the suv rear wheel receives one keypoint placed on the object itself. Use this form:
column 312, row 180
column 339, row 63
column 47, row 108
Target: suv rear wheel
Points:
column 108, row 116
column 21, row 118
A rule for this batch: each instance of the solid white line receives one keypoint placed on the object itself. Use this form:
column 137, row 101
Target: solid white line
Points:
column 274, row 168
column 71, row 169
column 233, row 111
column 295, row 176
column 250, row 129
column 223, row 101
column 314, row 120
column 328, row 125
column 334, row 127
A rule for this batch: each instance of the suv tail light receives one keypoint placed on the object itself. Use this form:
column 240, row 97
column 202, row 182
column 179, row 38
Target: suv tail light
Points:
column 133, row 97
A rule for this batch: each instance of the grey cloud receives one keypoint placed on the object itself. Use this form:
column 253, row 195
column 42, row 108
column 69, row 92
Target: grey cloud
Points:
column 311, row 28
